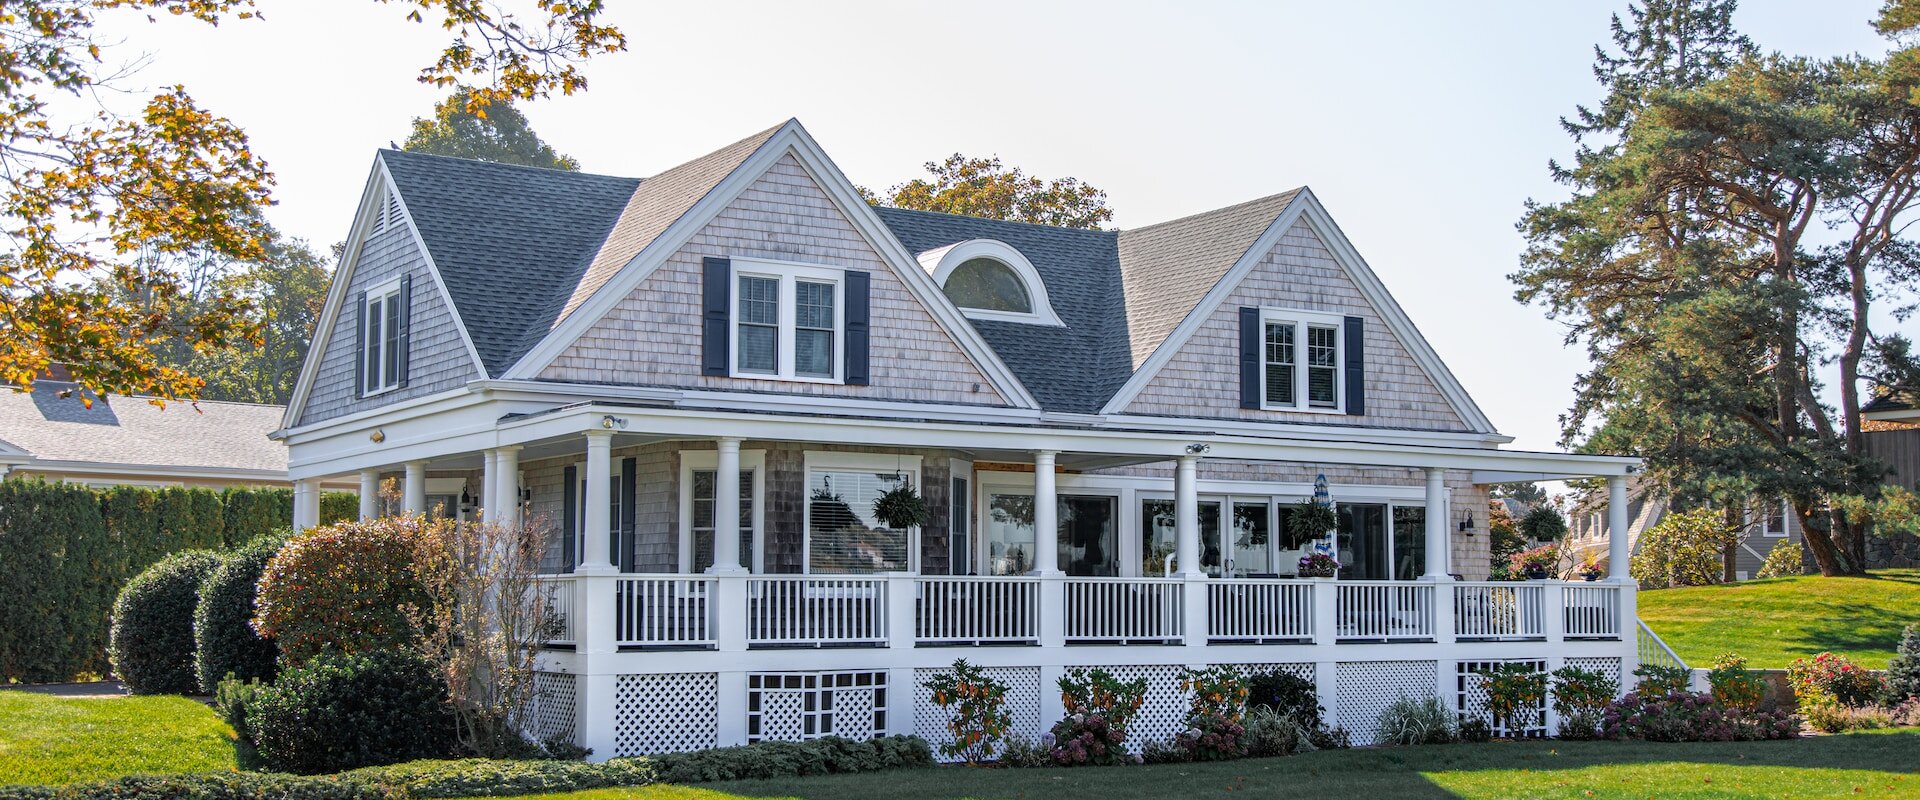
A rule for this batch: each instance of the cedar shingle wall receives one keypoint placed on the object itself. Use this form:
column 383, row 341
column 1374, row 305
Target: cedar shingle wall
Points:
column 653, row 337
column 439, row 359
column 1203, row 379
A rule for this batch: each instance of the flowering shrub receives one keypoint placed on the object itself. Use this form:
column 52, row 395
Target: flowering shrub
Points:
column 1834, row 677
column 1082, row 739
column 980, row 718
column 1691, row 717
column 1544, row 559
column 1515, row 693
column 1581, row 698
column 352, row 587
column 1212, row 737
column 1735, row 686
column 1318, row 565
column 1214, row 720
column 1827, row 716
column 1659, row 680
column 1098, row 706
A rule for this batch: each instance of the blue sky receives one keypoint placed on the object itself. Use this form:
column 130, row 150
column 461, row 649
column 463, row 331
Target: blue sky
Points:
column 1422, row 126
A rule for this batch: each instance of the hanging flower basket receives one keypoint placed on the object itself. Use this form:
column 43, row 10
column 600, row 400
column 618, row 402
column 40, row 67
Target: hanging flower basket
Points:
column 1310, row 520
column 1318, row 565
column 901, row 507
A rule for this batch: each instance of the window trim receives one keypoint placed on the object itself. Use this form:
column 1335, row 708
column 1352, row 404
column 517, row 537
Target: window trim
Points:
column 691, row 461
column 942, row 261
column 839, row 461
column 382, row 293
column 1759, row 518
column 1301, row 320
column 787, row 273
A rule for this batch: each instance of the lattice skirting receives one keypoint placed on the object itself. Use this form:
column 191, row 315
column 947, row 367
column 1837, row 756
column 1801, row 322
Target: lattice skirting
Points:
column 1023, row 704
column 668, row 713
column 795, row 706
column 554, row 713
column 1366, row 688
column 1472, row 697
column 1609, row 667
column 1164, row 712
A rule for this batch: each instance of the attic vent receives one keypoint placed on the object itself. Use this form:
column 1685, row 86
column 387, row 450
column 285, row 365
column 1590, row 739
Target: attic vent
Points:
column 388, row 214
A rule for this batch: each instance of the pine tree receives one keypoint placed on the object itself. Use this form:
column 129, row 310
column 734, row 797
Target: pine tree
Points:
column 1903, row 672
column 495, row 132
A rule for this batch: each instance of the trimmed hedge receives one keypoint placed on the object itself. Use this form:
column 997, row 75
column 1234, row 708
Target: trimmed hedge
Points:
column 339, row 712
column 152, row 644
column 204, row 786
column 480, row 777
column 66, row 551
column 223, row 636
column 826, row 755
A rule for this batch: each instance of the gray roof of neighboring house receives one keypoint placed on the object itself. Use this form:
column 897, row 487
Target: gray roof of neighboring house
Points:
column 131, row 431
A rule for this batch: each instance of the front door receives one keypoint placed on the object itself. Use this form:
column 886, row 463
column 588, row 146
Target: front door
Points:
column 1089, row 543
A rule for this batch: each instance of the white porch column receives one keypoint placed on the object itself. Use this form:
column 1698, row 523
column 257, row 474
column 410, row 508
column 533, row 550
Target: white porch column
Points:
column 1046, row 525
column 489, row 475
column 1186, row 516
column 306, row 504
column 1439, row 544
column 369, row 494
column 1619, row 543
column 726, row 506
column 414, row 496
column 506, row 487
column 598, row 522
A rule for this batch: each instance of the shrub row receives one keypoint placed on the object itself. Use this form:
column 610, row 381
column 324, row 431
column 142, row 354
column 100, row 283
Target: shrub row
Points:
column 826, row 755
column 66, row 550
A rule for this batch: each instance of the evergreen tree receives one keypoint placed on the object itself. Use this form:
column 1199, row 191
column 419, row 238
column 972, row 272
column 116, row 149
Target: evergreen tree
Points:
column 498, row 132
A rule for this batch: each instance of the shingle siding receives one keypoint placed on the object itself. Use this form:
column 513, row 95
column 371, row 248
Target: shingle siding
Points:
column 653, row 336
column 439, row 359
column 1202, row 378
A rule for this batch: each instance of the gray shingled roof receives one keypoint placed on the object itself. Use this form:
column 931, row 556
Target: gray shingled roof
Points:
column 1166, row 268
column 131, row 431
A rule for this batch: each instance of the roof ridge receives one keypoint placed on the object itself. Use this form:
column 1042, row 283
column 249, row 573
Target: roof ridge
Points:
column 507, row 165
column 1209, row 212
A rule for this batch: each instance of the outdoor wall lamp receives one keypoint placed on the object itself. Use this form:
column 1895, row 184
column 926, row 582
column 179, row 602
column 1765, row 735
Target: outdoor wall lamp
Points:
column 1197, row 448
column 1466, row 522
column 610, row 422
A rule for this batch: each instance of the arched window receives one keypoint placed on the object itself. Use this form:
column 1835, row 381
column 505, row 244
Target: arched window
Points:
column 988, row 284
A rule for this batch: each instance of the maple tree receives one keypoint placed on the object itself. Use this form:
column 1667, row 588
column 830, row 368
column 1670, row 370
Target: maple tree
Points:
column 985, row 187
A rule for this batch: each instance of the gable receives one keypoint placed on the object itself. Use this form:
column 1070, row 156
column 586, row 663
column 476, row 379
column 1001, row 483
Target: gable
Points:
column 1200, row 377
column 652, row 334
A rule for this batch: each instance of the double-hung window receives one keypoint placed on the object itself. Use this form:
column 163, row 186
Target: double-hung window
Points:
column 788, row 321
column 1302, row 355
column 381, row 354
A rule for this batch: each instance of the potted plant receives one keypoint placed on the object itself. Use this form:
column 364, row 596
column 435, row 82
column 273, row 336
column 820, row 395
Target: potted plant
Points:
column 1536, row 563
column 901, row 507
column 1319, row 565
column 1590, row 570
column 1308, row 520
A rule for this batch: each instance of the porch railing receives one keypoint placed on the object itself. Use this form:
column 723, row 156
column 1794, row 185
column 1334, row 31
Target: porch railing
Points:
column 1653, row 650
column 1123, row 609
column 786, row 610
column 664, row 611
column 1259, row 610
column 1592, row 610
column 1385, row 610
column 557, row 593
column 1499, row 611
column 976, row 610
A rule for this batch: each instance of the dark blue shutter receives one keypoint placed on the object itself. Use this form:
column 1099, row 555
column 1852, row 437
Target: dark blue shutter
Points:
column 1356, row 365
column 406, row 326
column 1249, row 358
column 359, row 318
column 570, row 516
column 623, row 544
column 858, row 286
column 717, row 291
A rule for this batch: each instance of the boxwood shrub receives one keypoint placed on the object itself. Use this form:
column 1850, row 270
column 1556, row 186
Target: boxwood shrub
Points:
column 830, row 754
column 224, row 641
column 339, row 712
column 480, row 777
column 152, row 639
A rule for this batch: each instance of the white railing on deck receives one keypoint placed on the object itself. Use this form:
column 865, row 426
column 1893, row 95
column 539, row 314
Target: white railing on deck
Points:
column 557, row 594
column 1592, row 610
column 1499, row 610
column 663, row 611
column 808, row 610
column 1260, row 610
column 976, row 610
column 1653, row 650
column 1384, row 610
column 1122, row 609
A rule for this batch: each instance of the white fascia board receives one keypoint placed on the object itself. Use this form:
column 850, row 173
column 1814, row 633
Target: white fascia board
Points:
column 1237, row 426
column 156, row 470
column 565, row 393
column 460, row 325
column 1893, row 415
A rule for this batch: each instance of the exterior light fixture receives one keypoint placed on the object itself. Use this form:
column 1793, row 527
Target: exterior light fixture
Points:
column 377, row 436
column 1466, row 522
column 610, row 422
column 1198, row 448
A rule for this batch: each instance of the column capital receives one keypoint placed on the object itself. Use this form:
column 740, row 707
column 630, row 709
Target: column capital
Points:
column 1191, row 458
column 1436, row 471
column 599, row 433
column 417, row 464
column 507, row 448
column 732, row 440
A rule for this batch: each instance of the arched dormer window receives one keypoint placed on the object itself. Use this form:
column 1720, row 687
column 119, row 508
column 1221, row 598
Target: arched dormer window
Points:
column 988, row 279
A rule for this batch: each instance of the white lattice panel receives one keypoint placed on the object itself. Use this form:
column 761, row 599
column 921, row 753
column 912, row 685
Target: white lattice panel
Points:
column 795, row 706
column 1366, row 688
column 1164, row 713
column 553, row 706
column 1472, row 697
column 1302, row 669
column 669, row 713
column 1609, row 667
column 853, row 714
column 1023, row 704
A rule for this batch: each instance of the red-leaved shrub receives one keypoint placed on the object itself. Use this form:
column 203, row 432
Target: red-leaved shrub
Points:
column 345, row 588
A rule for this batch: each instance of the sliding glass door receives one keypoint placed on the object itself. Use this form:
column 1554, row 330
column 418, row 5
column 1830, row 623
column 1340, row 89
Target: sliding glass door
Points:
column 1242, row 549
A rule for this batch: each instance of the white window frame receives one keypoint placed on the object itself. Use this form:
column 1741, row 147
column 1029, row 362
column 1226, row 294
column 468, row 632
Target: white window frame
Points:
column 373, row 347
column 691, row 461
column 942, row 261
column 1759, row 519
column 787, row 273
column 1301, row 320
column 836, row 461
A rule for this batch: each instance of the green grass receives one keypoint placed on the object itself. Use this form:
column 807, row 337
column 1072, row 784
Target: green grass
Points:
column 1867, row 765
column 1773, row 622
column 59, row 740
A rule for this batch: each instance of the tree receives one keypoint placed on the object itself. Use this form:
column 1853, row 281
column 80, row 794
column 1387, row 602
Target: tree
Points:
column 88, row 200
column 984, row 187
column 1683, row 261
column 1526, row 492
column 1504, row 538
column 495, row 132
column 1684, row 549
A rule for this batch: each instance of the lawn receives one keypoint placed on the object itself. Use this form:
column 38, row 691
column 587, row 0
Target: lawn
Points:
column 1774, row 621
column 1865, row 765
column 56, row 740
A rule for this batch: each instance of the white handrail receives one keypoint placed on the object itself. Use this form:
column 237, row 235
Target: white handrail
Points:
column 666, row 610
column 1384, row 610
column 1499, row 610
column 1654, row 650
column 1592, row 610
column 1259, row 609
column 809, row 610
column 1123, row 609
column 975, row 609
column 558, row 595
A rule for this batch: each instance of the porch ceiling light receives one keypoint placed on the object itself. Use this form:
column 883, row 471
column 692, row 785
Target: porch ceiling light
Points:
column 1198, row 448
column 610, row 422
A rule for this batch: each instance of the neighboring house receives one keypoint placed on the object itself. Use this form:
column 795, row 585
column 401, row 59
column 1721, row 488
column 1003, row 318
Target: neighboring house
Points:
column 1590, row 535
column 703, row 380
column 130, row 441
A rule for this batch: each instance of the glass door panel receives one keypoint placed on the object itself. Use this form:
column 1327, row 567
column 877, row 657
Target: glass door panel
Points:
column 1363, row 541
column 1008, row 531
column 1252, row 539
column 1088, row 545
column 1156, row 537
column 1409, row 543
column 1210, row 536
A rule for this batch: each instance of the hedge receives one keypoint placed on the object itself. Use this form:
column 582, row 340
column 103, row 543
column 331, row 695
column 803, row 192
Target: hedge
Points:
column 65, row 551
column 224, row 642
column 152, row 639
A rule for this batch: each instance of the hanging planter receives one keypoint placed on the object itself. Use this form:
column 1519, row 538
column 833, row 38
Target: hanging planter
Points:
column 901, row 507
column 1308, row 520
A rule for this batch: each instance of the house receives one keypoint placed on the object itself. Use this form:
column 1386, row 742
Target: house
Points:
column 1769, row 522
column 702, row 381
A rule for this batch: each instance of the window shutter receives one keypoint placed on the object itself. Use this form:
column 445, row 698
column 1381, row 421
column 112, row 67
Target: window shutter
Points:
column 1356, row 365
column 623, row 544
column 718, row 290
column 406, row 326
column 1249, row 357
column 359, row 319
column 570, row 516
column 859, row 288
